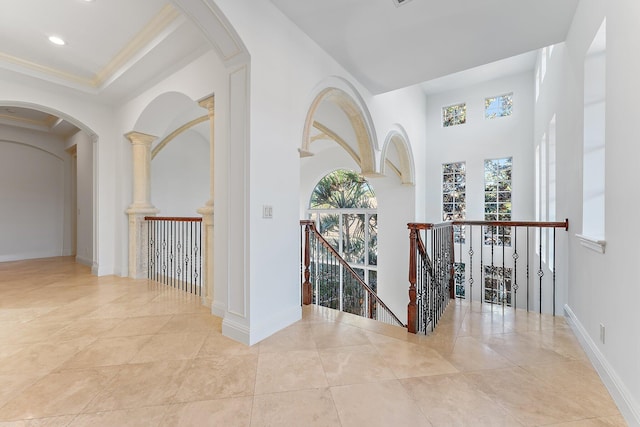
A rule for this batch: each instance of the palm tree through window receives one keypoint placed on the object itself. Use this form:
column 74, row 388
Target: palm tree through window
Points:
column 344, row 207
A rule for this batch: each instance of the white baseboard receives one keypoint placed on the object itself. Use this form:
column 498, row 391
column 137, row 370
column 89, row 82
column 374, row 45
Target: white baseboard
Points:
column 205, row 301
column 29, row 255
column 218, row 309
column 279, row 321
column 619, row 392
column 236, row 331
column 249, row 336
column 84, row 261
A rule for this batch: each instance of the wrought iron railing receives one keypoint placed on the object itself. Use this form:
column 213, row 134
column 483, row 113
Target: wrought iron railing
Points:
column 430, row 278
column 329, row 281
column 501, row 258
column 175, row 252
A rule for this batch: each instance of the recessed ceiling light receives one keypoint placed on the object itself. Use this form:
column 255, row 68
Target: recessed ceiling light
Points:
column 56, row 40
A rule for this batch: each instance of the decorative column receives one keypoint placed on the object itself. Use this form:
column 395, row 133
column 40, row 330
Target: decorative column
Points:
column 141, row 206
column 207, row 210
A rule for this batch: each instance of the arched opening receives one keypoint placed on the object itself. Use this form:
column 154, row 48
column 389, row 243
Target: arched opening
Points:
column 396, row 156
column 344, row 207
column 48, row 210
column 331, row 141
column 339, row 115
column 180, row 166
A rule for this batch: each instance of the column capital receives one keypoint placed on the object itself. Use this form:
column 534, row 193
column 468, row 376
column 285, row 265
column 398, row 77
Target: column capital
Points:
column 139, row 138
column 208, row 103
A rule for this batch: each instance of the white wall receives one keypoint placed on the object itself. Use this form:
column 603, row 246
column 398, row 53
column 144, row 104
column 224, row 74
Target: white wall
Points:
column 477, row 140
column 84, row 194
column 408, row 108
column 180, row 175
column 480, row 139
column 34, row 177
column 396, row 208
column 602, row 288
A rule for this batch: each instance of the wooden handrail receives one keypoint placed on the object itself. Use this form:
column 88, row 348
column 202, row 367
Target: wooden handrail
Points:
column 174, row 218
column 543, row 224
column 311, row 225
column 420, row 225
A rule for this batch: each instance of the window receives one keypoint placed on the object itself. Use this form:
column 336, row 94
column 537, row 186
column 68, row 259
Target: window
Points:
column 594, row 143
column 343, row 205
column 453, row 196
column 498, row 106
column 497, row 284
column 454, row 115
column 497, row 199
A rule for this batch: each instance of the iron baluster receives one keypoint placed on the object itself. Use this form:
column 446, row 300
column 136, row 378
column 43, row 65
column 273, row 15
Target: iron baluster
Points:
column 554, row 272
column 540, row 271
column 515, row 268
column 528, row 260
column 471, row 264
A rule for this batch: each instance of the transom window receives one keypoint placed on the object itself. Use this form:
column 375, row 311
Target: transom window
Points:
column 454, row 115
column 498, row 106
column 497, row 199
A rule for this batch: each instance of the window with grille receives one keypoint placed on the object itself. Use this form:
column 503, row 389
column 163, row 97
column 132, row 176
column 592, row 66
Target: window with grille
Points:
column 454, row 115
column 498, row 106
column 497, row 284
column 497, row 200
column 454, row 196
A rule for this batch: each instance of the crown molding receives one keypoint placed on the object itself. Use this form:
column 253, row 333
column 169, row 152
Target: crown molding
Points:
column 167, row 15
column 137, row 46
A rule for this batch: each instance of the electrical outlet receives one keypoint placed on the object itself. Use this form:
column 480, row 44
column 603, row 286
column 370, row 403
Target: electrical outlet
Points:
column 267, row 211
column 601, row 333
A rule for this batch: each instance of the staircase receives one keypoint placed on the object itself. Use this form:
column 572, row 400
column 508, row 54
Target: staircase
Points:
column 329, row 281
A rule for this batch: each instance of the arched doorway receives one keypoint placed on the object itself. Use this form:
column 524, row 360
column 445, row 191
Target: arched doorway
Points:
column 47, row 164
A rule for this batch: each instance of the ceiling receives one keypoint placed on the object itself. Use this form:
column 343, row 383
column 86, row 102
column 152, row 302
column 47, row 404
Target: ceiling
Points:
column 28, row 118
column 114, row 48
column 387, row 47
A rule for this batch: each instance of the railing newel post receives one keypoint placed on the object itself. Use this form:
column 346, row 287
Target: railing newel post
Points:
column 412, row 307
column 307, row 294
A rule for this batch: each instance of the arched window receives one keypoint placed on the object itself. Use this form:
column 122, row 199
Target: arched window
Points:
column 344, row 207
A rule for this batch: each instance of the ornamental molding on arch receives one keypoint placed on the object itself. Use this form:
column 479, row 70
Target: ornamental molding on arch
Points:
column 397, row 138
column 342, row 94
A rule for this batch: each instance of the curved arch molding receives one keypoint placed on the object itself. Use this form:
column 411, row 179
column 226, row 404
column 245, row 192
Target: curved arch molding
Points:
column 341, row 93
column 167, row 139
column 397, row 138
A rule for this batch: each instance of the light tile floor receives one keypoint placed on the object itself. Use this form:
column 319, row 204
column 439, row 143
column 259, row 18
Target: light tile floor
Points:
column 78, row 350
